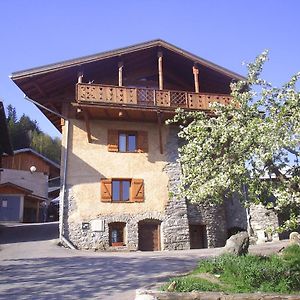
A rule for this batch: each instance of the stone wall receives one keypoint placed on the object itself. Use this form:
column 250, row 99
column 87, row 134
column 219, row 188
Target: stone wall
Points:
column 176, row 226
column 213, row 217
column 236, row 216
column 263, row 222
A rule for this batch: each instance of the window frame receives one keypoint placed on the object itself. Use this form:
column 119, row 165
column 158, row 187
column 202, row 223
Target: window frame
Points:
column 120, row 227
column 127, row 133
column 136, row 190
column 120, row 190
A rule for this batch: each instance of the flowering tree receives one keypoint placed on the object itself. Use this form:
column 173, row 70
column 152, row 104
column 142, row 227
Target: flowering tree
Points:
column 249, row 147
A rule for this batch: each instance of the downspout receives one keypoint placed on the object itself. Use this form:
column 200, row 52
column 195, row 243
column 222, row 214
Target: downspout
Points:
column 62, row 238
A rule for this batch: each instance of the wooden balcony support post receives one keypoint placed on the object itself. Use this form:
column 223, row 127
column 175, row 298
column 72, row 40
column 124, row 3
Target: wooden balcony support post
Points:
column 79, row 76
column 159, row 115
column 196, row 78
column 120, row 66
column 160, row 71
column 87, row 125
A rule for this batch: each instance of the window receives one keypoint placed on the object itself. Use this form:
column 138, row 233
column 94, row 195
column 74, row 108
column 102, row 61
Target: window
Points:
column 117, row 234
column 122, row 190
column 127, row 142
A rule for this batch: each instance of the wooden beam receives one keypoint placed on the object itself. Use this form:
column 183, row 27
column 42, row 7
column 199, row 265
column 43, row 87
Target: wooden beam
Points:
column 196, row 78
column 87, row 125
column 159, row 117
column 160, row 71
column 120, row 66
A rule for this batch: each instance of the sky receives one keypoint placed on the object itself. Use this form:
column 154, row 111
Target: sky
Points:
column 34, row 33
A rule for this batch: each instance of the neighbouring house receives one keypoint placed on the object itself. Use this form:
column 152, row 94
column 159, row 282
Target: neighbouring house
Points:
column 119, row 160
column 24, row 185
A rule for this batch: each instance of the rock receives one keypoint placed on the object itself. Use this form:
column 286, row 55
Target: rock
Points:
column 171, row 287
column 237, row 244
column 295, row 238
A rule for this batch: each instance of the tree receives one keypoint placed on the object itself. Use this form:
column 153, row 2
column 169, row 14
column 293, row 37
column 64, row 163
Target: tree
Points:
column 25, row 133
column 249, row 147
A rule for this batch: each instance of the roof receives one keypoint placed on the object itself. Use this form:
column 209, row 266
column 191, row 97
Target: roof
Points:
column 16, row 187
column 22, row 190
column 49, row 161
column 5, row 143
column 117, row 52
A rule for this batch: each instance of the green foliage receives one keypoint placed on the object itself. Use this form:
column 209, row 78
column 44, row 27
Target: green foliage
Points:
column 257, row 135
column 25, row 133
column 276, row 273
column 190, row 283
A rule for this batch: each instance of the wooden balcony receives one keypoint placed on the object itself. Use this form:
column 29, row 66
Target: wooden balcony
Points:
column 146, row 97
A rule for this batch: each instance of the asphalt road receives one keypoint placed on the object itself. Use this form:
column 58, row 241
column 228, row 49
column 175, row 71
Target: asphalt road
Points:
column 32, row 267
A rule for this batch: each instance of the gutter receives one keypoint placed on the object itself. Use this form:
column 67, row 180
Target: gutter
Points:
column 63, row 240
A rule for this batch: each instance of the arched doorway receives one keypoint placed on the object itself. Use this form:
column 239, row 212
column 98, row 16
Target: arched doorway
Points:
column 149, row 235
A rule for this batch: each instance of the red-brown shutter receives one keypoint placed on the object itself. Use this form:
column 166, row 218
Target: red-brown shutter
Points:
column 142, row 141
column 137, row 190
column 106, row 186
column 113, row 140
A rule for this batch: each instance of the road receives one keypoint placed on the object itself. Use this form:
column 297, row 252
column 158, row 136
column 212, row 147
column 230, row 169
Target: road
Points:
column 32, row 267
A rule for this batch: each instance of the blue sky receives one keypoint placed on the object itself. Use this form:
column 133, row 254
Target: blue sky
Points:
column 35, row 33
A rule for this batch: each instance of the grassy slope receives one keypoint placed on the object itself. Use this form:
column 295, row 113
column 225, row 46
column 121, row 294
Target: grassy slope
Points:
column 250, row 273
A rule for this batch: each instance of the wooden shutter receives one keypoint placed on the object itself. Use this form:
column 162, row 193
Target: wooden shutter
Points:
column 106, row 190
column 142, row 141
column 137, row 190
column 113, row 140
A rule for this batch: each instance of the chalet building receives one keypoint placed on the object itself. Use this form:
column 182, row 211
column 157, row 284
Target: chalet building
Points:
column 24, row 185
column 119, row 159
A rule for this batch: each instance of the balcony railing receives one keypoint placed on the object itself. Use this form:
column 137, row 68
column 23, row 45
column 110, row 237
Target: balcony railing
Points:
column 146, row 97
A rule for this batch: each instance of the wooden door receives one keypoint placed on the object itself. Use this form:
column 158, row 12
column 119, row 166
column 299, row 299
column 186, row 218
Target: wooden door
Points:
column 198, row 237
column 149, row 236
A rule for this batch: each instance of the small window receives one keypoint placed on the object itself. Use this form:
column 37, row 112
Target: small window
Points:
column 117, row 234
column 120, row 190
column 127, row 142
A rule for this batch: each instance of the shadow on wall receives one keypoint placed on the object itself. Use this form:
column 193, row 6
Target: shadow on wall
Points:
column 84, row 277
column 78, row 170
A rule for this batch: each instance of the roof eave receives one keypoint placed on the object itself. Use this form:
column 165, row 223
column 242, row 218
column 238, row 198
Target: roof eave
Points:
column 117, row 52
